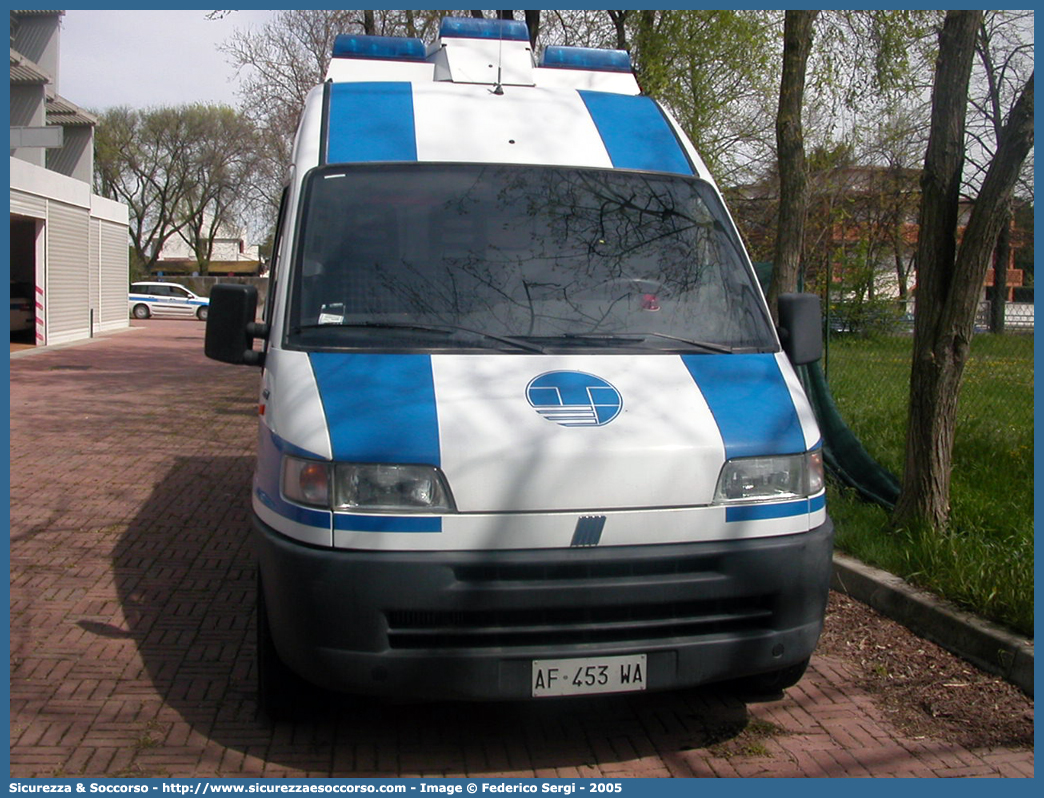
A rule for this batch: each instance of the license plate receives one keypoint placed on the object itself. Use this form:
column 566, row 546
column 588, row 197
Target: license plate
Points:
column 588, row 676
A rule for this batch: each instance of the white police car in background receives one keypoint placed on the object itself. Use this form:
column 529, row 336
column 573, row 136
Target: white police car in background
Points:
column 165, row 299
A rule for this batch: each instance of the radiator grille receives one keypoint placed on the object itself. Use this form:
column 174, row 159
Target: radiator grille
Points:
column 609, row 569
column 454, row 629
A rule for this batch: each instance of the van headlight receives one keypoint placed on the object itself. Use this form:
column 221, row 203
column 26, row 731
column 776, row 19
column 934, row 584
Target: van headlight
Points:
column 780, row 477
column 366, row 487
column 390, row 489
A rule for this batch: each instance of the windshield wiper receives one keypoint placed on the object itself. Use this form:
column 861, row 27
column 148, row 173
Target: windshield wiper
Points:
column 631, row 339
column 445, row 329
column 706, row 345
column 603, row 339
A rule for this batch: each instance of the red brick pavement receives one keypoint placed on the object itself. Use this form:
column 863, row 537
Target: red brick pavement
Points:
column 132, row 619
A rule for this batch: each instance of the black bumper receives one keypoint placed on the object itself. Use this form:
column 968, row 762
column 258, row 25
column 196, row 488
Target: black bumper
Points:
column 467, row 625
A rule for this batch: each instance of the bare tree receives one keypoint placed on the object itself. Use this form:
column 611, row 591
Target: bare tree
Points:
column 224, row 163
column 619, row 20
column 950, row 276
column 793, row 185
column 280, row 62
column 1004, row 57
column 174, row 168
column 897, row 147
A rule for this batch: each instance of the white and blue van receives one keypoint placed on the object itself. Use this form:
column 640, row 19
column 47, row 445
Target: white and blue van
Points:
column 526, row 426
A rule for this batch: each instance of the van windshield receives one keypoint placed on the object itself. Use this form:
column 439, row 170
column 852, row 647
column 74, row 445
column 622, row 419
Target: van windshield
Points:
column 522, row 258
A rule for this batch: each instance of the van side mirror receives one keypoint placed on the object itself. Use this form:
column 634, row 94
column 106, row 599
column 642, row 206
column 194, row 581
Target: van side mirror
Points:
column 801, row 327
column 231, row 329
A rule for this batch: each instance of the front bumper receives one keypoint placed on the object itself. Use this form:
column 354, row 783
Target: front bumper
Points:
column 467, row 624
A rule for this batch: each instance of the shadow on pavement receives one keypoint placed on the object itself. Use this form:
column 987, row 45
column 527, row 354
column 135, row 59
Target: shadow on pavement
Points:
column 184, row 572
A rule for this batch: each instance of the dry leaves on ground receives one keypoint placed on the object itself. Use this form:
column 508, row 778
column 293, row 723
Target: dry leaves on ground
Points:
column 926, row 690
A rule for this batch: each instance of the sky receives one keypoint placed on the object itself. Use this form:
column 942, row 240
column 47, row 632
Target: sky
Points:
column 148, row 58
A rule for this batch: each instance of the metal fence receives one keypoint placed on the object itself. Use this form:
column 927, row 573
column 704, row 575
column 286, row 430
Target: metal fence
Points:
column 1018, row 316
column 867, row 365
column 890, row 317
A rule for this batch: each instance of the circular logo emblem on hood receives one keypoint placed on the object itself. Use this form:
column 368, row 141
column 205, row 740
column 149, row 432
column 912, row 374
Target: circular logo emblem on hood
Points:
column 574, row 399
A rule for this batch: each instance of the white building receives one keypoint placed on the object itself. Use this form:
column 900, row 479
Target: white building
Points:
column 67, row 243
column 230, row 254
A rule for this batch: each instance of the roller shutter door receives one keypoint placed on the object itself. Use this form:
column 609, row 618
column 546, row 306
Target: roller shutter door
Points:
column 92, row 272
column 28, row 205
column 112, row 276
column 67, row 291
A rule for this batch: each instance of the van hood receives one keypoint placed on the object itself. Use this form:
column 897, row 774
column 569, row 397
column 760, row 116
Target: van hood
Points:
column 564, row 433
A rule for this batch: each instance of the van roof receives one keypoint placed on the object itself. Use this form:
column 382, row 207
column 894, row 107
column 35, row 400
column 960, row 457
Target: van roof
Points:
column 398, row 121
column 488, row 52
column 476, row 94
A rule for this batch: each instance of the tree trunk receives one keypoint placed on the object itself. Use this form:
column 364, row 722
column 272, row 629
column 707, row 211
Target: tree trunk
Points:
column 790, row 145
column 533, row 23
column 1001, row 256
column 619, row 20
column 938, row 345
column 949, row 280
column 645, row 42
column 900, row 267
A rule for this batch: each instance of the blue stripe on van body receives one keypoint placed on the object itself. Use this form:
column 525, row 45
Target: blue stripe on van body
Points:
column 379, row 408
column 267, row 475
column 371, row 122
column 750, row 403
column 387, row 523
column 635, row 133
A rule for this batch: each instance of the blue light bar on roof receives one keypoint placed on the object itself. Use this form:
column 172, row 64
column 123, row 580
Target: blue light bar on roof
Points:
column 386, row 48
column 589, row 58
column 498, row 29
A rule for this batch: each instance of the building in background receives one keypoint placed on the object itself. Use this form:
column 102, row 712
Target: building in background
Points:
column 68, row 245
column 230, row 254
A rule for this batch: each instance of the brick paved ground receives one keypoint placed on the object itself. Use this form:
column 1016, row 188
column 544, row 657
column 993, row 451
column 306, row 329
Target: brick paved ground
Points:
column 132, row 619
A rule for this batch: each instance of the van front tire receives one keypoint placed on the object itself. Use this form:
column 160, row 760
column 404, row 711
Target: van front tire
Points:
column 280, row 691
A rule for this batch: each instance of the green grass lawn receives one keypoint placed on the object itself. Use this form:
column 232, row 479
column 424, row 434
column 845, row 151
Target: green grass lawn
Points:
column 985, row 561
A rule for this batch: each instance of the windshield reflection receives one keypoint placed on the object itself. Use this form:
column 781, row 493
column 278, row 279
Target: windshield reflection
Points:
column 567, row 258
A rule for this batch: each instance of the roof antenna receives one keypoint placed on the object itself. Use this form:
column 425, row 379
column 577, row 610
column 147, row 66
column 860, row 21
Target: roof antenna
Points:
column 498, row 89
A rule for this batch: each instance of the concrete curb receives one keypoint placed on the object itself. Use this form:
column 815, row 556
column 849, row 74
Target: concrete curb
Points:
column 982, row 643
